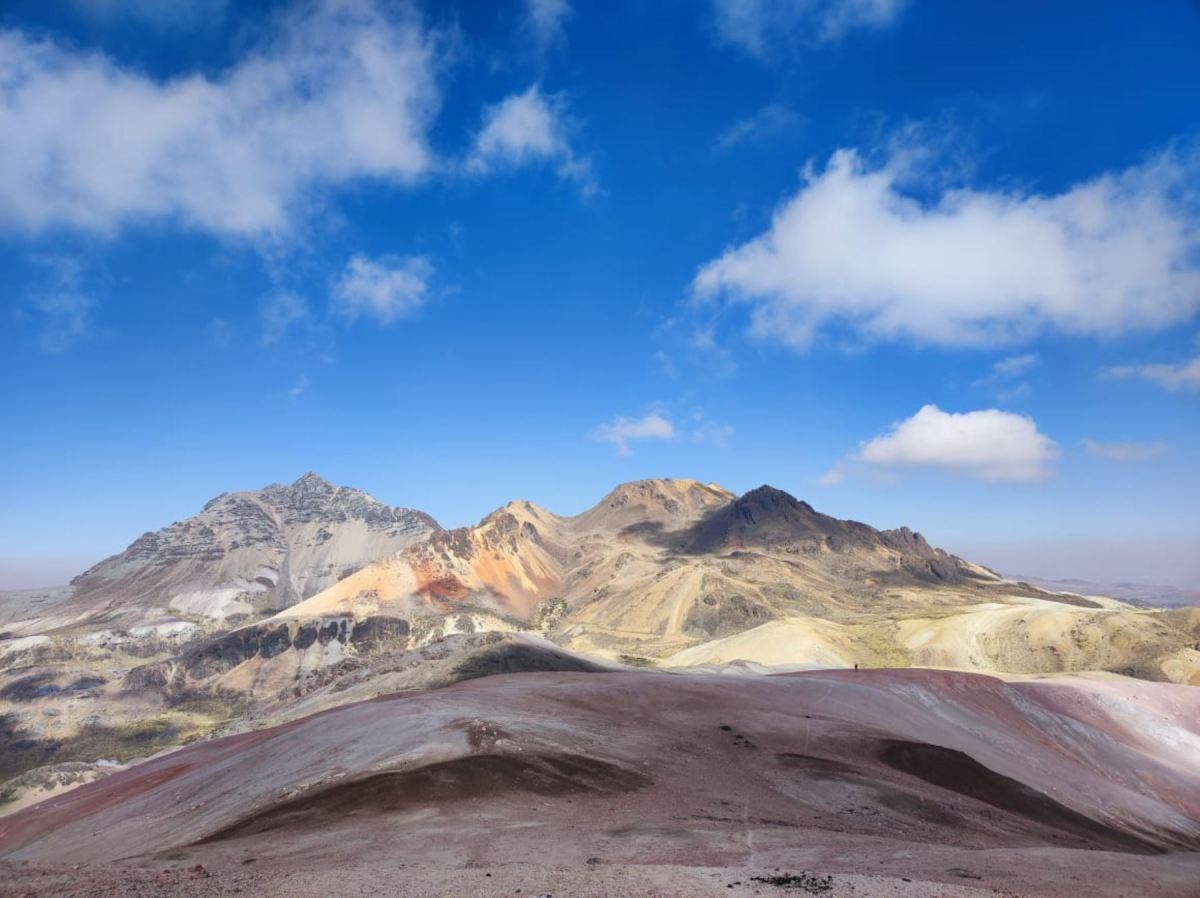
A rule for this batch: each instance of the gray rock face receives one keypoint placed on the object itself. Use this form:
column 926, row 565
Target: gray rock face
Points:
column 923, row 560
column 247, row 553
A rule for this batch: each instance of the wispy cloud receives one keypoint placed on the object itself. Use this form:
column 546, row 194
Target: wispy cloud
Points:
column 385, row 289
column 755, row 26
column 1004, row 377
column 666, row 364
column 547, row 20
column 529, row 128
column 1173, row 376
column 623, row 431
column 693, row 345
column 833, row 476
column 161, row 13
column 279, row 313
column 1014, row 365
column 298, row 387
column 221, row 332
column 702, row 429
column 338, row 92
column 1124, row 451
column 988, row 444
column 709, row 351
column 63, row 306
column 1117, row 254
column 770, row 120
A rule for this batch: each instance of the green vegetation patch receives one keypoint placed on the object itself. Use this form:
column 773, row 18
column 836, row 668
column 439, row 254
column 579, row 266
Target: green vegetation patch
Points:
column 21, row 751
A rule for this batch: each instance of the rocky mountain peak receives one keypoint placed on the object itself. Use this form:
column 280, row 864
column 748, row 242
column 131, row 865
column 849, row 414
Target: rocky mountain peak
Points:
column 312, row 481
column 906, row 539
column 773, row 499
column 761, row 516
column 767, row 516
column 664, row 500
column 311, row 486
column 251, row 551
column 308, row 488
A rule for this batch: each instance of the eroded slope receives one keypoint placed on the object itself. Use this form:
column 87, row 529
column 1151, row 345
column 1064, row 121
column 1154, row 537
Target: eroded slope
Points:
column 923, row 770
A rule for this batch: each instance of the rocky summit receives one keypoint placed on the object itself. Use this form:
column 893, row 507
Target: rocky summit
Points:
column 245, row 554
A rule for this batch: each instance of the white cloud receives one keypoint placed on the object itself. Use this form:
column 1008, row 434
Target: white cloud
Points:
column 384, row 289
column 63, row 305
column 528, row 128
column 547, row 19
column 989, row 444
column 752, row 25
column 1124, row 451
column 1181, row 376
column 278, row 313
column 518, row 129
column 1117, row 254
column 622, row 431
column 340, row 91
column 771, row 119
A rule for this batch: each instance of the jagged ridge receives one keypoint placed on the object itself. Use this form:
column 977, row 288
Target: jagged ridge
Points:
column 249, row 552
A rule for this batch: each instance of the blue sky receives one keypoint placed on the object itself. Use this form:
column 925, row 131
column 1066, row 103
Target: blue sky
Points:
column 917, row 262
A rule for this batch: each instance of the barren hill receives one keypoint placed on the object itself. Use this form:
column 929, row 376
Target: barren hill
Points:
column 522, row 555
column 896, row 783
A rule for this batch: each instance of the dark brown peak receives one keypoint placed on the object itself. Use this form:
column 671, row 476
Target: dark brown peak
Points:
column 770, row 516
column 904, row 539
column 924, row 561
column 769, row 496
column 767, row 503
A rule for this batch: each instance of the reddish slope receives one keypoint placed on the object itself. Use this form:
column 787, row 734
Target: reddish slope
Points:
column 838, row 769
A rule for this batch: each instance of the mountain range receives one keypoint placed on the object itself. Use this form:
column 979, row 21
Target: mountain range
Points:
column 341, row 667
column 272, row 604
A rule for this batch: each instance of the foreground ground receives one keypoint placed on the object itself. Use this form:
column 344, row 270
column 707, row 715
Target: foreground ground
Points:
column 992, row 876
column 915, row 782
